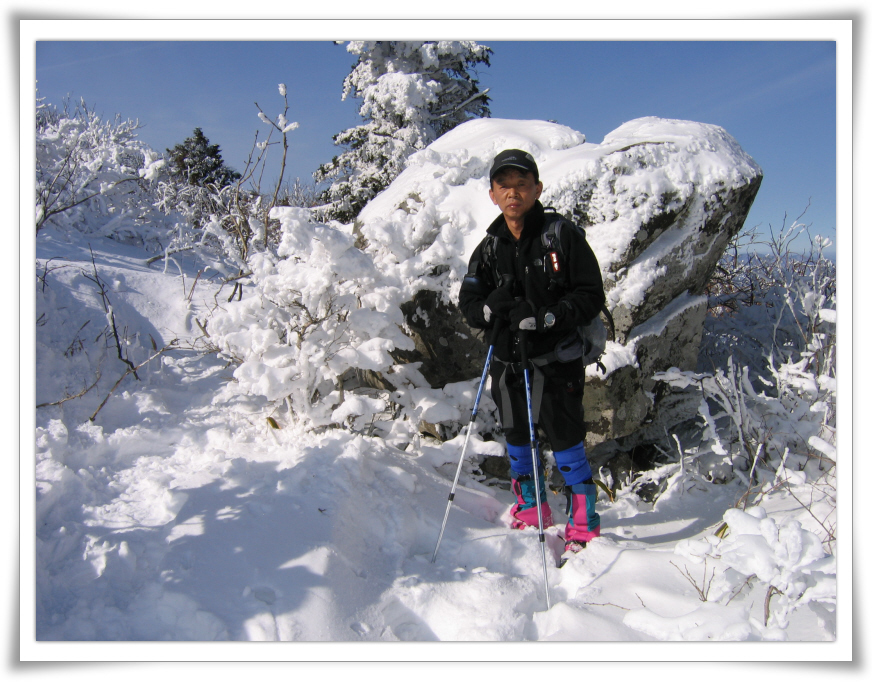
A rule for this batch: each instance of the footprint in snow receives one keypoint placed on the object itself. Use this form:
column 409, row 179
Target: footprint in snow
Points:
column 265, row 595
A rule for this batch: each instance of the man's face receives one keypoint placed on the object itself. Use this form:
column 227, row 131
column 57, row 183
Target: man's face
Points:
column 515, row 192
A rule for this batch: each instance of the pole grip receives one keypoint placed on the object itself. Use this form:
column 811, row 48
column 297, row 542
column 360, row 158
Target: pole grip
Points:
column 498, row 324
column 524, row 360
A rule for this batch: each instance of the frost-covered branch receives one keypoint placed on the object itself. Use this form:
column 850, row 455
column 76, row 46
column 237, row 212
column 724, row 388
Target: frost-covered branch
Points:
column 81, row 162
column 282, row 125
column 773, row 357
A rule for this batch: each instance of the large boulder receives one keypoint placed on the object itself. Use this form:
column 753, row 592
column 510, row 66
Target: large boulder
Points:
column 659, row 200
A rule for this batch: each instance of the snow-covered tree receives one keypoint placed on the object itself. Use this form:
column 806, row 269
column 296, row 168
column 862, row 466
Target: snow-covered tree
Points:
column 412, row 93
column 197, row 162
column 95, row 176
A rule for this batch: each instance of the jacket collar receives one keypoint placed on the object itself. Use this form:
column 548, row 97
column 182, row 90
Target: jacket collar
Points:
column 533, row 222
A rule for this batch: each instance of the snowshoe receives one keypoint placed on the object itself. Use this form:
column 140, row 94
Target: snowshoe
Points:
column 575, row 546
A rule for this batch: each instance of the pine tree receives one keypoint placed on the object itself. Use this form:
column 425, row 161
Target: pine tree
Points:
column 412, row 92
column 196, row 162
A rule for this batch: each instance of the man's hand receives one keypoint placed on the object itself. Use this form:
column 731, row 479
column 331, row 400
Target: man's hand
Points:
column 522, row 316
column 498, row 304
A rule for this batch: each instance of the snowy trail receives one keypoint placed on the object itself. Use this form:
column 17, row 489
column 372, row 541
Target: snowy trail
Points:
column 208, row 525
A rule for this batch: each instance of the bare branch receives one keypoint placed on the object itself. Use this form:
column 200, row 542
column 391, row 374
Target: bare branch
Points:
column 739, row 589
column 703, row 590
column 111, row 313
column 70, row 398
column 132, row 371
column 168, row 252
column 769, row 593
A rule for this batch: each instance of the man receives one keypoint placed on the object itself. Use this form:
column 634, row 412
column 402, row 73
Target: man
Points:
column 540, row 296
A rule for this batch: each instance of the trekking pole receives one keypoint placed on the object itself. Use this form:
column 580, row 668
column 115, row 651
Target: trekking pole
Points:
column 534, row 445
column 487, row 362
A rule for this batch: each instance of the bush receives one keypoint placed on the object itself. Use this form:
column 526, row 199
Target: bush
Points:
column 94, row 176
column 770, row 339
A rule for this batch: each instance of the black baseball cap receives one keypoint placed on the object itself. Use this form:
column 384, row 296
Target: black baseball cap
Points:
column 514, row 158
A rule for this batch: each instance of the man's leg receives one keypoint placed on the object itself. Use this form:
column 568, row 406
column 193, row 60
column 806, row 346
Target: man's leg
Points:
column 584, row 522
column 523, row 486
column 509, row 394
column 562, row 417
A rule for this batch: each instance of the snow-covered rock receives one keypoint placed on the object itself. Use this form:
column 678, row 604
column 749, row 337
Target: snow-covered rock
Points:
column 659, row 200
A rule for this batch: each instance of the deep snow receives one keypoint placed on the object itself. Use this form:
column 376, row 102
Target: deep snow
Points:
column 181, row 514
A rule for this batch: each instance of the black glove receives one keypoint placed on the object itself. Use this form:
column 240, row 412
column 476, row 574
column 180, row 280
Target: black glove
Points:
column 498, row 304
column 523, row 317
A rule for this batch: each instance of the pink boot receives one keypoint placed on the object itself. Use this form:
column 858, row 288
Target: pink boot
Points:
column 584, row 522
column 524, row 512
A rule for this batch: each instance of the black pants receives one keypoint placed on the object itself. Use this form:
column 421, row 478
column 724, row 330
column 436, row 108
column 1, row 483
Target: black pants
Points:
column 561, row 413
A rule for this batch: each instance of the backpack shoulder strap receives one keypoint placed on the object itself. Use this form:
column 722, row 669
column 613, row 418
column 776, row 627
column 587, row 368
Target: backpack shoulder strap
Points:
column 551, row 233
column 488, row 259
column 551, row 240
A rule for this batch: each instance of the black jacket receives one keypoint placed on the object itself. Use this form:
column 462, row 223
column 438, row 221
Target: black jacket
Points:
column 522, row 265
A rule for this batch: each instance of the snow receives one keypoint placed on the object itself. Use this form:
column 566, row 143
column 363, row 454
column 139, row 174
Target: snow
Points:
column 194, row 507
column 655, row 325
column 181, row 514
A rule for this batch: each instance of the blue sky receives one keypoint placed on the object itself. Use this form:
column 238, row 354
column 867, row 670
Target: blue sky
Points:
column 776, row 97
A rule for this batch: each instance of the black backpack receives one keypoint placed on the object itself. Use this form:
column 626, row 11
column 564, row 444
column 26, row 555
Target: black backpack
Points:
column 589, row 341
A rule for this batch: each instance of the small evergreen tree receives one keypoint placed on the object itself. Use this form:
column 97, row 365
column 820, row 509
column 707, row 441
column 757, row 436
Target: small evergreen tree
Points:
column 196, row 162
column 412, row 92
